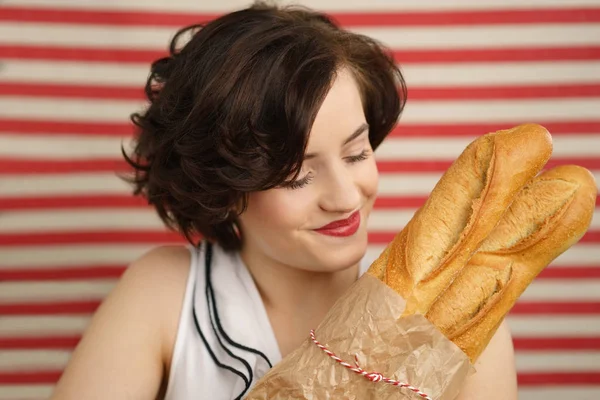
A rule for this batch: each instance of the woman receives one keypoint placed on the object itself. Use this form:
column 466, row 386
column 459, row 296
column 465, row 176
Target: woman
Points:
column 259, row 137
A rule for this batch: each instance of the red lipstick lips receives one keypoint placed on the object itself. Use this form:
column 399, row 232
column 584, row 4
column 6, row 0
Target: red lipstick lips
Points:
column 344, row 227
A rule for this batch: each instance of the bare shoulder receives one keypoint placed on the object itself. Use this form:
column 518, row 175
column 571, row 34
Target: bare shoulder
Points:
column 495, row 377
column 162, row 275
column 126, row 349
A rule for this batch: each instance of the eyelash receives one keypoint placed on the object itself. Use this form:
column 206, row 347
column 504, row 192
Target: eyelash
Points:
column 308, row 178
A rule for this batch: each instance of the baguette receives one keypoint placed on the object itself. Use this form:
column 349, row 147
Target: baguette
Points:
column 546, row 218
column 463, row 208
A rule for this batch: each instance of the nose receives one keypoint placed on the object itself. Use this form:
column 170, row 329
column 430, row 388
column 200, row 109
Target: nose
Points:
column 340, row 192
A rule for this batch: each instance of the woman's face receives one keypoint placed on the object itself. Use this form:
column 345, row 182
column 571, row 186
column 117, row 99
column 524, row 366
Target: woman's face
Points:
column 337, row 184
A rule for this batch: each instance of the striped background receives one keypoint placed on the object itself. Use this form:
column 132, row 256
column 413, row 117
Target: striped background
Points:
column 71, row 72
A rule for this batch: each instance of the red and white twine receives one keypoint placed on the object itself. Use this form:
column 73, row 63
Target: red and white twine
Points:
column 372, row 376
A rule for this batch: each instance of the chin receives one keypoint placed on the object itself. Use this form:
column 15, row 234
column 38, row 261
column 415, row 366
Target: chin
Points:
column 346, row 253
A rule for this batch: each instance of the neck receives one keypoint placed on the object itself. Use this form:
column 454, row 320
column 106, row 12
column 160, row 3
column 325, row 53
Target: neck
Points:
column 296, row 300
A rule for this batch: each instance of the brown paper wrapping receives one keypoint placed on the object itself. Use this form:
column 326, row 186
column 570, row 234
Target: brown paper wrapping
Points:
column 366, row 321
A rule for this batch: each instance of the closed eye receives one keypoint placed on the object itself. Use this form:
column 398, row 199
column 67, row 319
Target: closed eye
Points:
column 362, row 156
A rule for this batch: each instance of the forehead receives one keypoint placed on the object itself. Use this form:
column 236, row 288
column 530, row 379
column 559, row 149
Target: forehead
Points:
column 340, row 114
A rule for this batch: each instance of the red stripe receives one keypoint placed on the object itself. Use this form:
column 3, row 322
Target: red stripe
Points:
column 89, row 306
column 419, row 166
column 558, row 378
column 570, row 272
column 38, row 166
column 47, row 127
column 87, row 54
column 37, row 343
column 50, row 308
column 71, row 91
column 592, row 236
column 389, row 18
column 125, row 201
column 58, row 273
column 556, row 344
column 158, row 237
column 556, row 308
column 133, row 55
column 83, row 237
column 9, row 166
column 68, row 127
column 29, row 377
column 503, row 92
column 69, row 202
column 393, row 202
column 473, row 130
column 525, row 379
column 497, row 55
column 414, row 93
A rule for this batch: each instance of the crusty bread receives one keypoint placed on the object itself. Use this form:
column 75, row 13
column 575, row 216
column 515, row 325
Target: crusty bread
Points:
column 463, row 208
column 547, row 217
column 487, row 230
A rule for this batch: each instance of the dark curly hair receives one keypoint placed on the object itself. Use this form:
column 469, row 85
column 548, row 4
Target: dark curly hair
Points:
column 230, row 112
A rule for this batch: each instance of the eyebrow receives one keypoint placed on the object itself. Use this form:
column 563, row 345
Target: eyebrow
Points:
column 350, row 138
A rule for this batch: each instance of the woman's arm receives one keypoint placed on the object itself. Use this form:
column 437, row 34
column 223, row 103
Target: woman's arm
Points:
column 496, row 377
column 122, row 353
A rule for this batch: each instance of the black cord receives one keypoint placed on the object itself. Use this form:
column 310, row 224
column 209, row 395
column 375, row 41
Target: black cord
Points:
column 208, row 262
column 212, row 354
column 210, row 298
column 218, row 321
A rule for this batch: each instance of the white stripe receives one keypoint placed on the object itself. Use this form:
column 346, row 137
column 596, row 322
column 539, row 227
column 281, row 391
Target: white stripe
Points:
column 76, row 184
column 416, row 75
column 28, row 360
column 59, row 147
column 86, row 147
column 25, row 392
column 97, row 289
column 555, row 72
column 417, row 183
column 558, row 361
column 75, row 110
column 74, row 73
column 51, row 257
column 78, row 220
column 580, row 254
column 78, row 290
column 54, row 256
column 40, row 326
column 486, row 36
column 553, row 326
column 567, row 145
column 549, row 392
column 563, row 290
column 521, row 326
column 405, row 184
column 32, row 360
column 455, row 37
column 416, row 112
column 100, row 219
column 500, row 110
column 347, row 5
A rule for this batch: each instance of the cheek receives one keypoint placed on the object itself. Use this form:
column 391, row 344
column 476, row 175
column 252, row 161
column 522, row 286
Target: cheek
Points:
column 276, row 209
column 369, row 179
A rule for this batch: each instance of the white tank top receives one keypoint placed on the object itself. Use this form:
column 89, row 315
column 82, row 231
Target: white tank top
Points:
column 194, row 373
